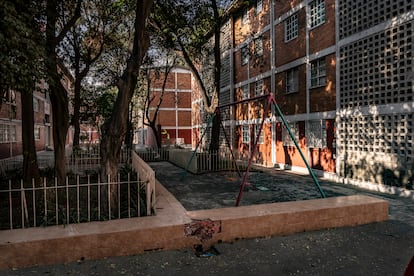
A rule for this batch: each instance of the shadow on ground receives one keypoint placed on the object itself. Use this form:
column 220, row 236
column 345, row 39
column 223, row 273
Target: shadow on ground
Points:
column 220, row 189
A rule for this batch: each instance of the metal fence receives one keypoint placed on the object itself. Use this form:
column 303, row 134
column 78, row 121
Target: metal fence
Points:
column 216, row 161
column 81, row 199
column 78, row 162
column 153, row 154
column 88, row 159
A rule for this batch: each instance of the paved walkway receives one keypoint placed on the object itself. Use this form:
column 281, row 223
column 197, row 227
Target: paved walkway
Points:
column 375, row 249
column 216, row 190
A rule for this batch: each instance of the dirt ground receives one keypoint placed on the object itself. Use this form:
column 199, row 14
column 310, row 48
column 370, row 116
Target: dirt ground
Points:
column 375, row 249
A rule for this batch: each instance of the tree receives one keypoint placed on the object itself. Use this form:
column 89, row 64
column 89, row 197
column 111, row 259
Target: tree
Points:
column 56, row 29
column 193, row 29
column 21, row 68
column 114, row 130
column 84, row 45
column 152, row 103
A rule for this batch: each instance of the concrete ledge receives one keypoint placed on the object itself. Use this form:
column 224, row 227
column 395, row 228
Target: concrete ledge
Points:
column 166, row 230
column 292, row 217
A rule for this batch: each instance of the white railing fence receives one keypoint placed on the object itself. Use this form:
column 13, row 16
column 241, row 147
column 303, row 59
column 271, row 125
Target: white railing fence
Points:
column 81, row 199
column 153, row 154
column 77, row 162
column 84, row 160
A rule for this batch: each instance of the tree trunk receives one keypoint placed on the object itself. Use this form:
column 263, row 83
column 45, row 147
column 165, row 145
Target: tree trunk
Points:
column 215, row 130
column 58, row 93
column 30, row 165
column 114, row 130
column 76, row 111
column 60, row 102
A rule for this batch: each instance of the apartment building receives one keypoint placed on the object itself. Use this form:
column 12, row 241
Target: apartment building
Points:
column 174, row 114
column 11, row 123
column 341, row 72
column 11, row 118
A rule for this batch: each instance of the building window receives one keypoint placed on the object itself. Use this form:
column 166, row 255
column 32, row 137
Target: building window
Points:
column 316, row 134
column 292, row 80
column 35, row 104
column 317, row 13
column 37, row 133
column 7, row 133
column 291, row 27
column 245, row 16
column 47, row 119
column 245, row 55
column 258, row 47
column 245, row 92
column 9, row 97
column 261, row 137
column 318, row 73
column 258, row 88
column 245, row 134
column 287, row 140
column 259, row 6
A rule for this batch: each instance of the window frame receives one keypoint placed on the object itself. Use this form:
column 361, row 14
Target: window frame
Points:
column 259, row 85
column 245, row 16
column 245, row 54
column 317, row 13
column 8, row 133
column 36, row 104
column 245, row 134
column 259, row 6
column 258, row 51
column 36, row 132
column 318, row 73
column 292, row 80
column 286, row 139
column 245, row 92
column 316, row 134
column 291, row 27
column 260, row 141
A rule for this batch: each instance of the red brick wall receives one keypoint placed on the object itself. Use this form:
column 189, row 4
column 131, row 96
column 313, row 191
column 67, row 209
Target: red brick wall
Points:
column 261, row 20
column 171, row 98
column 166, row 118
column 264, row 151
column 184, row 81
column 282, row 7
column 289, row 155
column 295, row 48
column 323, row 36
column 157, row 80
column 241, row 31
column 261, row 64
column 184, row 100
column 293, row 103
column 324, row 98
column 186, row 134
column 184, row 118
column 241, row 73
column 323, row 159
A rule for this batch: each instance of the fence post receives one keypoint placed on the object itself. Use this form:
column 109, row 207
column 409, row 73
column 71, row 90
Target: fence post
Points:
column 11, row 205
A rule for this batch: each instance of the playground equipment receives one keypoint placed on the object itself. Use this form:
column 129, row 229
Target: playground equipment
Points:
column 270, row 101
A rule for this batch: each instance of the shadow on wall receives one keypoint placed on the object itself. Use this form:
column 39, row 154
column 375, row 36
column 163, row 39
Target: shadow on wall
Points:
column 401, row 176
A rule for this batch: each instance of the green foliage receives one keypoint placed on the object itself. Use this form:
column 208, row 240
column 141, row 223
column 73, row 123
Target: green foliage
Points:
column 105, row 103
column 21, row 45
column 186, row 23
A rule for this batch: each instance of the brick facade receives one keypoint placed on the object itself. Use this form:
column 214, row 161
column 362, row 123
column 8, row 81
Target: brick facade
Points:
column 356, row 83
column 11, row 121
column 174, row 115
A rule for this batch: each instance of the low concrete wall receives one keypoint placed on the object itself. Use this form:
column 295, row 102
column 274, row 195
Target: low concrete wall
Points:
column 169, row 229
column 146, row 174
column 181, row 158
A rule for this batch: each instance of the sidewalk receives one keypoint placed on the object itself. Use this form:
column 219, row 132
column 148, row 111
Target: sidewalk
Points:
column 375, row 249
